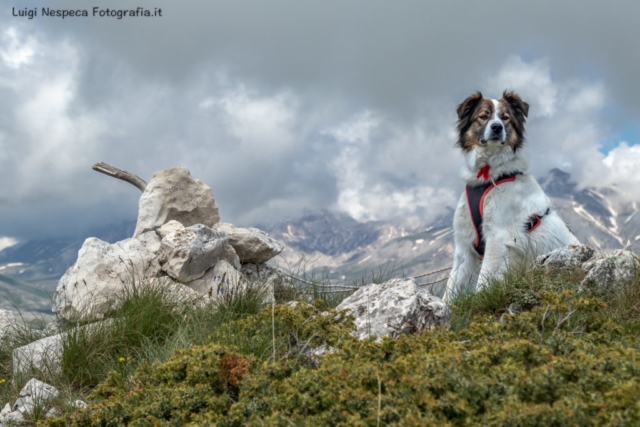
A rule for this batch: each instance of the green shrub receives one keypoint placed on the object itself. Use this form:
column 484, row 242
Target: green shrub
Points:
column 562, row 363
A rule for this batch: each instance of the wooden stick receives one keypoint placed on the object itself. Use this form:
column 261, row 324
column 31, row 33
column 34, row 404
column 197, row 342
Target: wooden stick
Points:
column 114, row 172
column 434, row 282
column 320, row 285
column 432, row 272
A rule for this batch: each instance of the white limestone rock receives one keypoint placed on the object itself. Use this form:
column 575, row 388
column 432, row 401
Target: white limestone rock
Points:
column 90, row 287
column 604, row 269
column 611, row 268
column 179, row 293
column 8, row 322
column 173, row 194
column 229, row 254
column 34, row 394
column 567, row 257
column 151, row 241
column 396, row 307
column 44, row 355
column 11, row 419
column 251, row 244
column 218, row 281
column 186, row 254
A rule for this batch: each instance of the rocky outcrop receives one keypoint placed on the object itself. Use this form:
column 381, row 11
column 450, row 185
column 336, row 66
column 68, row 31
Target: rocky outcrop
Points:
column 604, row 269
column 173, row 194
column 91, row 286
column 178, row 242
column 251, row 244
column 393, row 308
column 187, row 253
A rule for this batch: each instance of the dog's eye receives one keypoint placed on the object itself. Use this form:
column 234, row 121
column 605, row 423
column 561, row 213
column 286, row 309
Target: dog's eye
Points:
column 505, row 118
column 484, row 117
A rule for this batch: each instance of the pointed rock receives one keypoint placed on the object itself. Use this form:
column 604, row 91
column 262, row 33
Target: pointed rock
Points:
column 173, row 194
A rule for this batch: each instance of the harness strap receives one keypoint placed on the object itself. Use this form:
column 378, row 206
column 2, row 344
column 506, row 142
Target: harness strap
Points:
column 475, row 201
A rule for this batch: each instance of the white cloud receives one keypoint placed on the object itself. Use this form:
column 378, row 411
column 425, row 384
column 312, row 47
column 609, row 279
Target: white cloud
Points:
column 623, row 162
column 267, row 153
column 6, row 242
column 16, row 50
column 47, row 139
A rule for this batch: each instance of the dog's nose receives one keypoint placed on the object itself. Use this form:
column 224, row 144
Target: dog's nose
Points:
column 496, row 128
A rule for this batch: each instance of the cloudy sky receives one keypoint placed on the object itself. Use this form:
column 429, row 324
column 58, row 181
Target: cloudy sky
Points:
column 285, row 105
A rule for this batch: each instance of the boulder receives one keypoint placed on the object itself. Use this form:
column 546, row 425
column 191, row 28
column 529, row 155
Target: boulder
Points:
column 252, row 245
column 173, row 194
column 167, row 228
column 610, row 269
column 393, row 308
column 604, row 269
column 43, row 355
column 91, row 286
column 7, row 322
column 187, row 253
column 218, row 281
column 567, row 257
column 34, row 393
column 11, row 419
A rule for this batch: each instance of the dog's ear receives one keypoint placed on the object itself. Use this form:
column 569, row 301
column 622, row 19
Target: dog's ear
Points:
column 467, row 106
column 519, row 107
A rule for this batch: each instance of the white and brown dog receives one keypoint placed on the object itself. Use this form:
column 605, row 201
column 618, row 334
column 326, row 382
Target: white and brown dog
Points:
column 503, row 216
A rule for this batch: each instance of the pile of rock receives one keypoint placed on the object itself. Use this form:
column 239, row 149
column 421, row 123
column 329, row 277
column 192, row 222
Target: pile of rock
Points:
column 178, row 243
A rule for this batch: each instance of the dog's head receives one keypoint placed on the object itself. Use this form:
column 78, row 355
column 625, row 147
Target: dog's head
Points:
column 491, row 122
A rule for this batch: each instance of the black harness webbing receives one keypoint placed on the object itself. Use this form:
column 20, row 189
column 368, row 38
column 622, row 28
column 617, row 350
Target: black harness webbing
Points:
column 475, row 200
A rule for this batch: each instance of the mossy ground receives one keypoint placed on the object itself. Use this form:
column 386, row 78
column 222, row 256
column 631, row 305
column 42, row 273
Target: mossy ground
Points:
column 561, row 358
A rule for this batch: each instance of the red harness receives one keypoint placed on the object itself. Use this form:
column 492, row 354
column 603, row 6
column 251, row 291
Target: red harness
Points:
column 475, row 201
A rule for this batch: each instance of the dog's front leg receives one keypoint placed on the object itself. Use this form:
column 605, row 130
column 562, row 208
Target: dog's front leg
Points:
column 497, row 256
column 464, row 273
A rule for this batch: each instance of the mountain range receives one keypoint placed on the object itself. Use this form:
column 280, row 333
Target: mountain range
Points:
column 336, row 246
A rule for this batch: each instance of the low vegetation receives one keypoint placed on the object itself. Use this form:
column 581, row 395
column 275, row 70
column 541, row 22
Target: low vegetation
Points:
column 528, row 350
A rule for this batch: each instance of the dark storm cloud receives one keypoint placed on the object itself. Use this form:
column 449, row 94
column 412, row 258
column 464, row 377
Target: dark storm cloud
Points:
column 267, row 101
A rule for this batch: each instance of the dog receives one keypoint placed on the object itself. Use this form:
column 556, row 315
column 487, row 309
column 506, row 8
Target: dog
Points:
column 503, row 216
